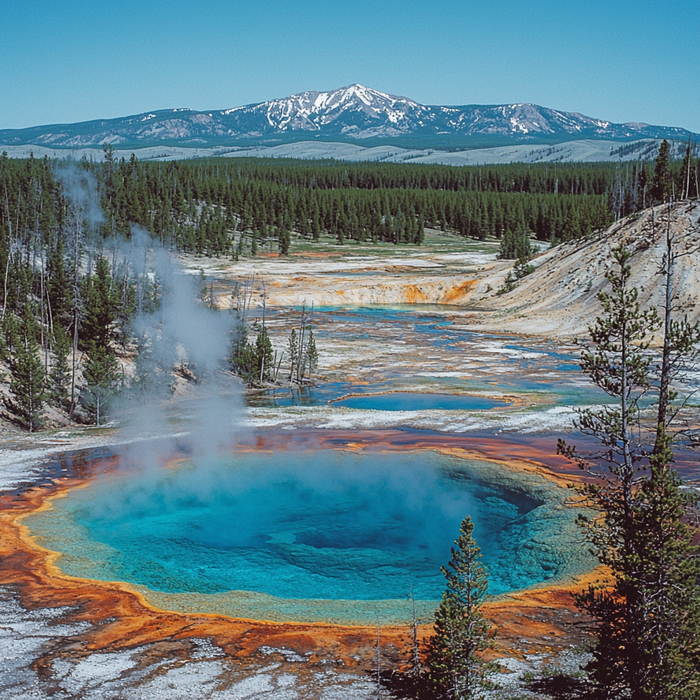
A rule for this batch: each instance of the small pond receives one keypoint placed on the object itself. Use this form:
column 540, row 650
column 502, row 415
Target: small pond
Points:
column 413, row 401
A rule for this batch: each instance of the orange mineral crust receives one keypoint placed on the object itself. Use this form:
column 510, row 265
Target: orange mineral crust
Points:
column 536, row 619
column 539, row 451
column 120, row 618
column 541, row 619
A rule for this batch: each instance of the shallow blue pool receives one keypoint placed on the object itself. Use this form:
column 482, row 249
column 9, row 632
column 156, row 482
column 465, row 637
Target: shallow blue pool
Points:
column 414, row 401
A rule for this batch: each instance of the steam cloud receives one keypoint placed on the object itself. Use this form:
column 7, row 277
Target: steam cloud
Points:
column 180, row 332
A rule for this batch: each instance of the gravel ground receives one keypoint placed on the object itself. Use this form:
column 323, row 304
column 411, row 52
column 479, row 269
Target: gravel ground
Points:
column 41, row 656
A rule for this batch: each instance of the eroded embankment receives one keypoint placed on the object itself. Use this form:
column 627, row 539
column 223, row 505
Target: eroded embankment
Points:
column 541, row 618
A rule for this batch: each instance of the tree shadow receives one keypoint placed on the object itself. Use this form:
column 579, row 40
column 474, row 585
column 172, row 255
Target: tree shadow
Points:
column 410, row 686
column 562, row 687
column 558, row 686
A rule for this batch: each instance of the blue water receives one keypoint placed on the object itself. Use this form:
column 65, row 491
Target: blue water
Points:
column 532, row 366
column 410, row 401
column 324, row 525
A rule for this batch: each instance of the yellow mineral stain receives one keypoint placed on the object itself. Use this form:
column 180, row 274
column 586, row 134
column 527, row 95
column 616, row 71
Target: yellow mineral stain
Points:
column 414, row 295
column 458, row 293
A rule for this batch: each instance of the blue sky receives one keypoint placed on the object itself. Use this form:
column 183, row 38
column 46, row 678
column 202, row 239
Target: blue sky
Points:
column 622, row 60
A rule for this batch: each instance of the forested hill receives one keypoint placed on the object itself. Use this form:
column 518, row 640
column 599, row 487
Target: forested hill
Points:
column 62, row 292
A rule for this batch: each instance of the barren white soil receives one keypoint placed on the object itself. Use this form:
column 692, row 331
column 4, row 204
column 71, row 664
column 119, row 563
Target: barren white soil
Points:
column 558, row 300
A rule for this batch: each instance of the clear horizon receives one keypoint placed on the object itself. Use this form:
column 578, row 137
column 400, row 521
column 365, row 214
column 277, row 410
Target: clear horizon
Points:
column 73, row 60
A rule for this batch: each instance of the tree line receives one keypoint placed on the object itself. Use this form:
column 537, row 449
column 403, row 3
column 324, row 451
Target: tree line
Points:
column 62, row 294
column 63, row 305
column 236, row 206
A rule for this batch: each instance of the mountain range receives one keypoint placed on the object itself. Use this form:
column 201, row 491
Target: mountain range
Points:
column 354, row 114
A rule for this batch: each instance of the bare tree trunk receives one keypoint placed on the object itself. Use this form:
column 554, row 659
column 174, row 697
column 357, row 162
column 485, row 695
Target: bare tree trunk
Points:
column 77, row 241
column 7, row 270
column 378, row 660
column 73, row 363
column 264, row 305
column 665, row 378
column 279, row 364
column 44, row 322
column 415, row 668
column 49, row 312
column 300, row 357
column 10, row 246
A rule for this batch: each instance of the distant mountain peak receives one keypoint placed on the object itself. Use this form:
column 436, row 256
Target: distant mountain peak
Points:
column 351, row 113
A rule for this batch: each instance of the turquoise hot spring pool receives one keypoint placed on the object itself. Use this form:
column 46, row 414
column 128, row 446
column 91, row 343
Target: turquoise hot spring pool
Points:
column 327, row 535
column 415, row 401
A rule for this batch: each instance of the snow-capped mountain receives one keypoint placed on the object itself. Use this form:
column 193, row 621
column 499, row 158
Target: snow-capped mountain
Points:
column 349, row 109
column 349, row 114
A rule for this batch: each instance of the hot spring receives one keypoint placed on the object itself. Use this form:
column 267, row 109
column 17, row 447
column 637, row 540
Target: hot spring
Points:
column 414, row 401
column 330, row 535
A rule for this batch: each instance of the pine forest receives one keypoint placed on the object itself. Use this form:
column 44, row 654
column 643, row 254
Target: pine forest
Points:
column 61, row 291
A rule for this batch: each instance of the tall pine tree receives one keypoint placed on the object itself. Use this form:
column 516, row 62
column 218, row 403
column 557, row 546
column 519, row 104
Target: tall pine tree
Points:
column 455, row 669
column 59, row 376
column 100, row 308
column 646, row 621
column 101, row 377
column 661, row 184
column 27, row 376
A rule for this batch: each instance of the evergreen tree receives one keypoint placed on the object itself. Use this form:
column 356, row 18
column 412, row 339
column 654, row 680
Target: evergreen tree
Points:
column 293, row 350
column 667, row 573
column 263, row 354
column 27, row 378
column 58, row 284
column 284, row 239
column 100, row 308
column 515, row 246
column 647, row 620
column 455, row 669
column 661, row 184
column 59, row 377
column 311, row 353
column 669, row 568
column 97, row 330
column 572, row 226
column 687, row 185
column 243, row 359
column 101, row 376
column 10, row 331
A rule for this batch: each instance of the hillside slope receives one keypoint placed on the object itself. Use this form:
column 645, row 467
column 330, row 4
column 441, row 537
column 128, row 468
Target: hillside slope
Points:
column 585, row 150
column 559, row 298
